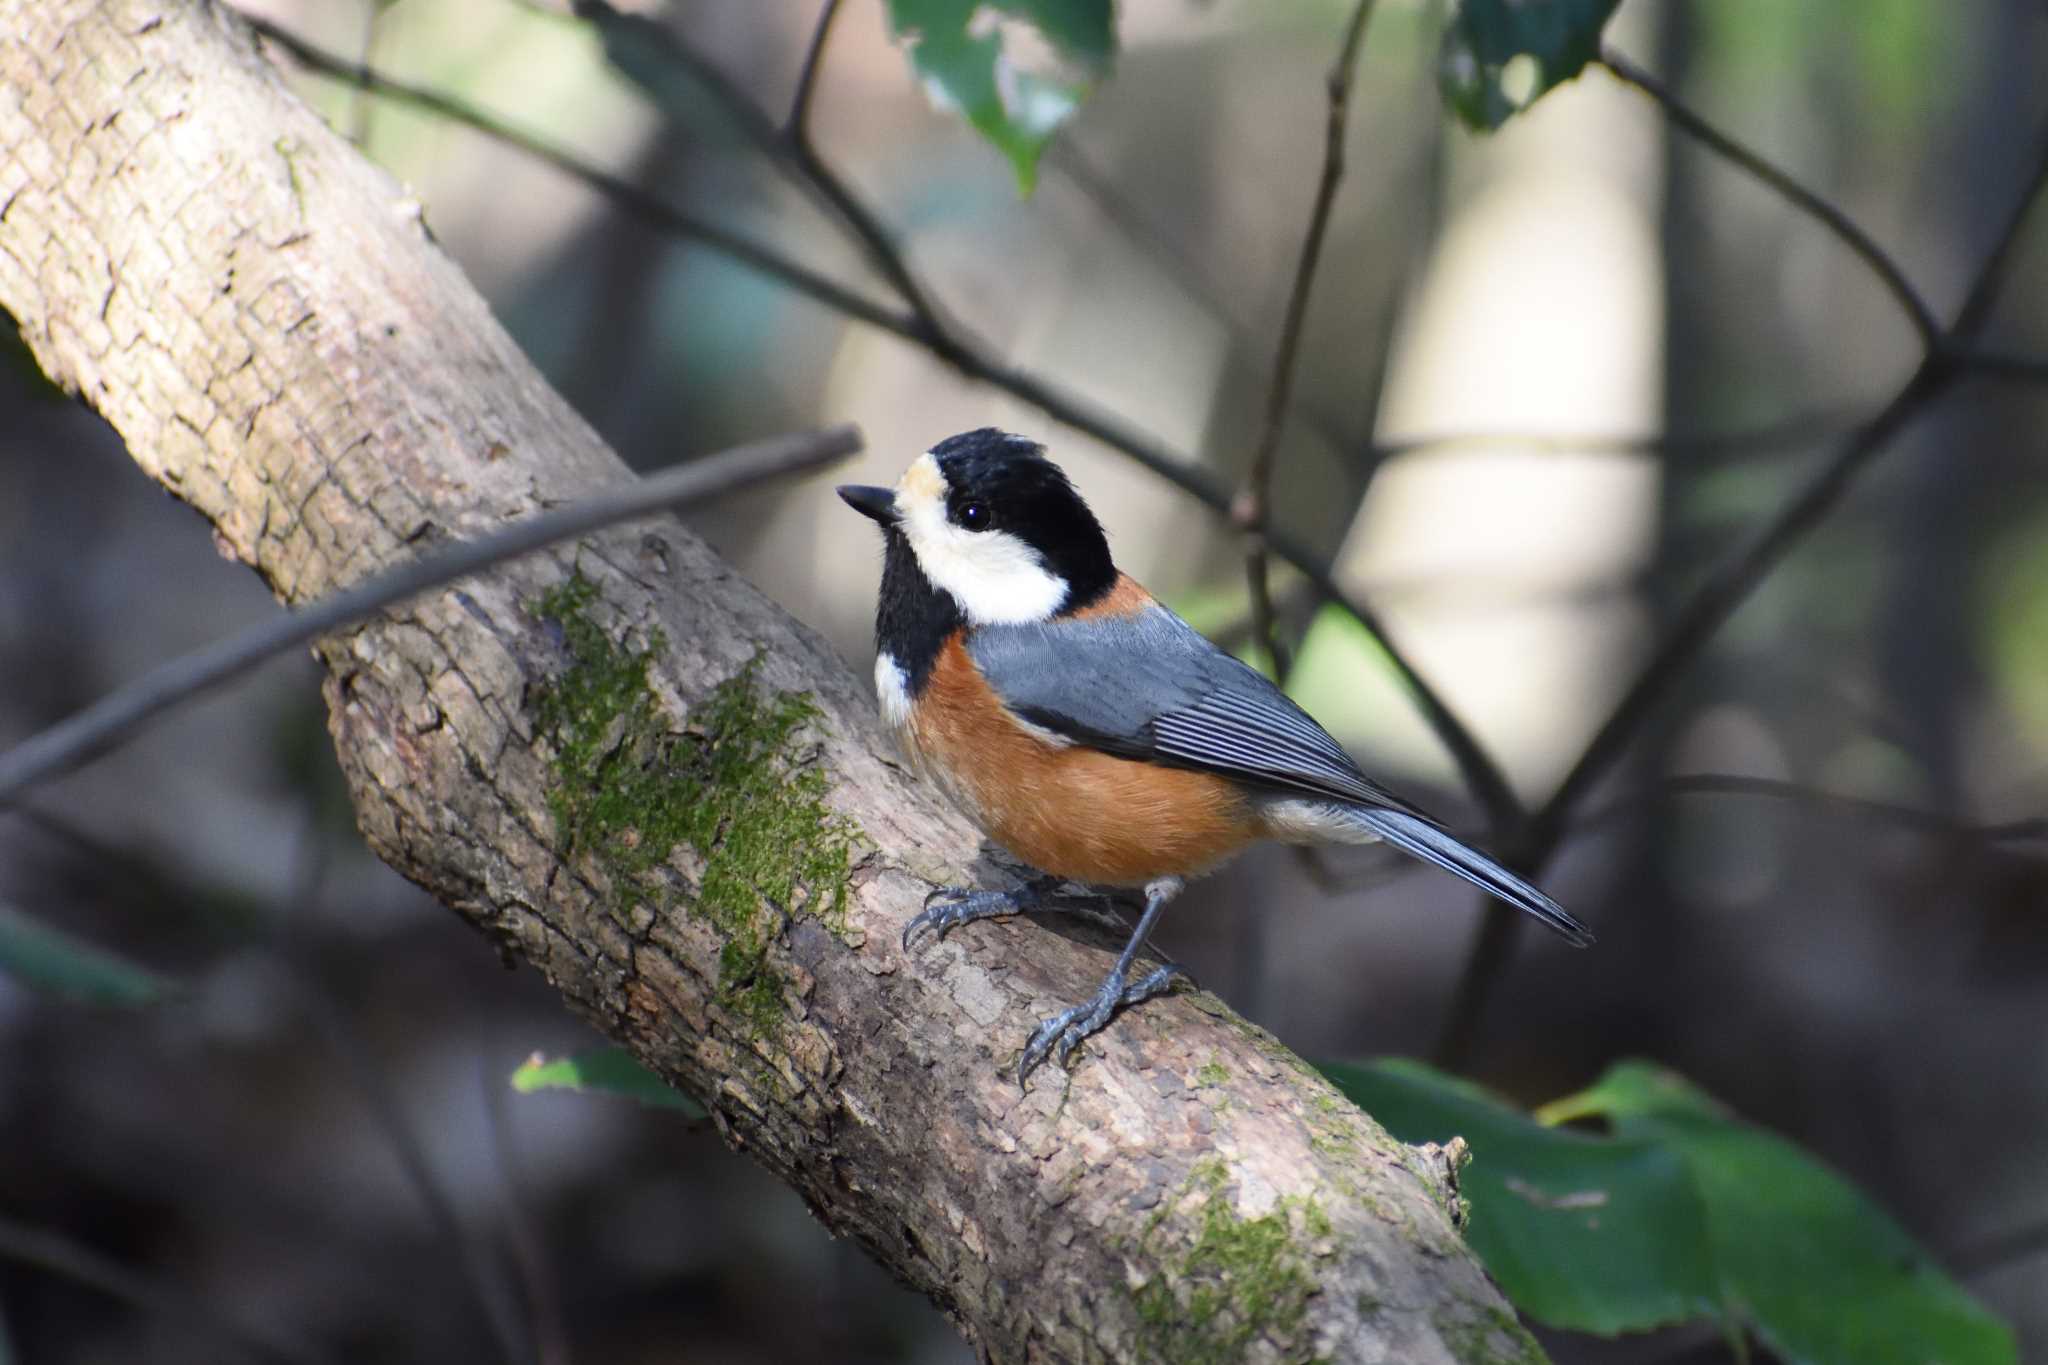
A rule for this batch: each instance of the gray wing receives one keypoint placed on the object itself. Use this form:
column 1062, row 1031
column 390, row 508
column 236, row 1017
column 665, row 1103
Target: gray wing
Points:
column 1150, row 687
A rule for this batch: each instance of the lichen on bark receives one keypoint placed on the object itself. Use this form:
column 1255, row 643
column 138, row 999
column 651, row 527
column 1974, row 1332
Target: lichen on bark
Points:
column 1243, row 1279
column 735, row 786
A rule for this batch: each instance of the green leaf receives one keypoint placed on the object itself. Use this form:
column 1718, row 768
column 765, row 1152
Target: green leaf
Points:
column 1588, row 1233
column 1683, row 1211
column 54, row 963
column 1501, row 56
column 1795, row 1242
column 962, row 59
column 603, row 1070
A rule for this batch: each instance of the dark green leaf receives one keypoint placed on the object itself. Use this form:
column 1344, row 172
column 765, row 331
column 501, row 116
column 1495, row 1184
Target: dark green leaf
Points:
column 604, row 1070
column 1820, row 1272
column 1589, row 1233
column 43, row 959
column 964, row 65
column 1553, row 38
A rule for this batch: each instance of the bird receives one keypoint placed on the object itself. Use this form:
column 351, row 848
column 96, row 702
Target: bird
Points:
column 1086, row 728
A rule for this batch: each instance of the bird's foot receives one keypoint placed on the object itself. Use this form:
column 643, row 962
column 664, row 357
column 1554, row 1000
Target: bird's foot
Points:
column 949, row 907
column 1063, row 1032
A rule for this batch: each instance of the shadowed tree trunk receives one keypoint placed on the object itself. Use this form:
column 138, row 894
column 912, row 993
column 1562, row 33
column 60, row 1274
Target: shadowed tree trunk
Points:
column 629, row 769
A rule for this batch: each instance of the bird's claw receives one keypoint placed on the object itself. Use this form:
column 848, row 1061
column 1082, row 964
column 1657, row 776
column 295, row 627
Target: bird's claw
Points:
column 1065, row 1031
column 948, row 907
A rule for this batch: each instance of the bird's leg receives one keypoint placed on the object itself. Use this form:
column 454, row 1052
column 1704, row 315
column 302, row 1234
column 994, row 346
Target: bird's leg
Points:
column 1062, row 1033
column 951, row 906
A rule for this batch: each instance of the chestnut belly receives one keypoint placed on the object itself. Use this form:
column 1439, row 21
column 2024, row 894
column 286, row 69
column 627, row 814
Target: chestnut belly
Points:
column 1092, row 817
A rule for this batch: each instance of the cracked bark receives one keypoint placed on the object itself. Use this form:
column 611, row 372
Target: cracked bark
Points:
column 263, row 317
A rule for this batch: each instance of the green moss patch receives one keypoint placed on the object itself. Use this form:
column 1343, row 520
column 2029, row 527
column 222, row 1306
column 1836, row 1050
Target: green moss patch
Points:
column 734, row 786
column 1492, row 1336
column 1241, row 1279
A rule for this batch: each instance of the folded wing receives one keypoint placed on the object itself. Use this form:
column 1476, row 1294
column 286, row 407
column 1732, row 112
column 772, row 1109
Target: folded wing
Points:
column 1148, row 686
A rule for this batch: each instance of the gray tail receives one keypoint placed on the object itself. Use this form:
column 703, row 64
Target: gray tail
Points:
column 1412, row 834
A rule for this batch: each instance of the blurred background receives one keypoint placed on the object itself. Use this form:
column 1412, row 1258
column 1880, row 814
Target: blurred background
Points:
column 309, row 1150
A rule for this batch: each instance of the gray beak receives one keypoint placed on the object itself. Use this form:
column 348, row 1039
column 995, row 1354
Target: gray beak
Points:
column 878, row 503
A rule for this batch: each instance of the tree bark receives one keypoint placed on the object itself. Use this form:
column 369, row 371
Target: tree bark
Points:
column 570, row 752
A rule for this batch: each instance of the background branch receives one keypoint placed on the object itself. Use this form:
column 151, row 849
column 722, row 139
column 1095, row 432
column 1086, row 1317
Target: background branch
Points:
column 1887, row 271
column 1253, row 508
column 1715, row 600
column 116, row 717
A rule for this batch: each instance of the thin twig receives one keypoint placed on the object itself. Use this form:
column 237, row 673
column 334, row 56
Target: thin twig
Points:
column 797, row 126
column 1696, row 624
column 1800, row 428
column 649, row 208
column 1845, row 229
column 791, row 150
column 108, row 721
column 2029, row 830
column 56, row 1254
column 1716, row 600
column 1976, row 309
column 1726, row 589
column 970, row 358
column 2020, row 369
column 1066, row 158
column 1254, row 500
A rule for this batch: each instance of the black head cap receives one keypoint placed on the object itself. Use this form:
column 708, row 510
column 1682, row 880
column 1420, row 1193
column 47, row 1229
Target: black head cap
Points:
column 997, row 481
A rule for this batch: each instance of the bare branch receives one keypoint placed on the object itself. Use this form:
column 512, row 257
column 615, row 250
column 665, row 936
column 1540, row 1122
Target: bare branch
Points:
column 649, row 208
column 797, row 127
column 1970, row 318
column 1796, row 429
column 112, row 719
column 1945, row 359
column 1252, row 509
column 1777, row 789
column 2018, row 369
column 1888, row 272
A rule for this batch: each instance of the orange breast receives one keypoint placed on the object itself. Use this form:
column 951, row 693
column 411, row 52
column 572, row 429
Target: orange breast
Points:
column 1070, row 811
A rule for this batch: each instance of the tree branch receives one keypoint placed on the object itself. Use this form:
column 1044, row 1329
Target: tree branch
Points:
column 648, row 208
column 115, row 718
column 1845, row 229
column 1717, row 598
column 275, row 337
column 797, row 126
column 1254, row 499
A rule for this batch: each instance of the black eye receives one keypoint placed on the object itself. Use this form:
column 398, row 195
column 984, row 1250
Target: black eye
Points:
column 974, row 516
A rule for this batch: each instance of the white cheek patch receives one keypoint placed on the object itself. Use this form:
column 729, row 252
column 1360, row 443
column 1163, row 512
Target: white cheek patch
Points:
column 996, row 578
column 892, row 689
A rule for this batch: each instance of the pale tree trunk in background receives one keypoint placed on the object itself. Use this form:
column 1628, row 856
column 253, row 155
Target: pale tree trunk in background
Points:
column 262, row 317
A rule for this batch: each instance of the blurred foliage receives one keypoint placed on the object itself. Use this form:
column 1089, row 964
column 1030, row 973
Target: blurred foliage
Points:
column 1490, row 42
column 54, row 963
column 1681, row 1211
column 604, row 1071
column 1900, row 55
column 967, row 65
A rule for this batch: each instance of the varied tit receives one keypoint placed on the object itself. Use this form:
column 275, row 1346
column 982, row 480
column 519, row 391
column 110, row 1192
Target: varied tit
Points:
column 1085, row 727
